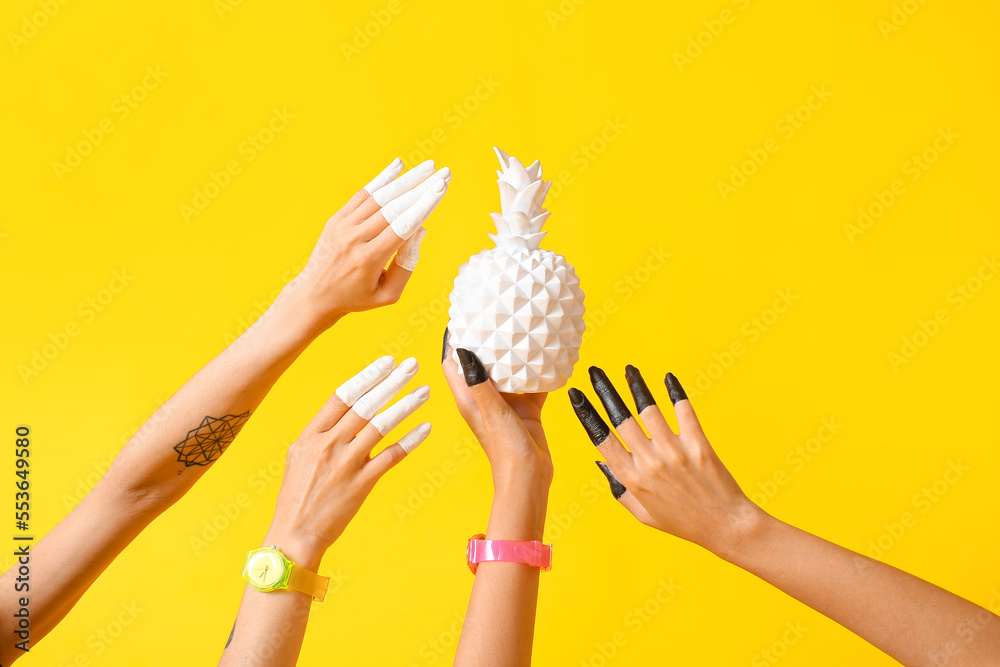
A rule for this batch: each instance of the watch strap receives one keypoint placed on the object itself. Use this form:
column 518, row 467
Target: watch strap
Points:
column 534, row 553
column 301, row 579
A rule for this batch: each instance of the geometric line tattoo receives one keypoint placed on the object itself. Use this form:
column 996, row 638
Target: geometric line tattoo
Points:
column 205, row 444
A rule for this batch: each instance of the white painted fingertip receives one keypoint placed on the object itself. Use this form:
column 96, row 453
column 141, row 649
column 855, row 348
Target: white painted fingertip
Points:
column 379, row 396
column 384, row 422
column 404, row 183
column 405, row 225
column 392, row 210
column 355, row 388
column 410, row 441
column 386, row 176
column 409, row 254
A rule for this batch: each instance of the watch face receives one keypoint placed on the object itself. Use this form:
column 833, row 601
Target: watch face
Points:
column 265, row 568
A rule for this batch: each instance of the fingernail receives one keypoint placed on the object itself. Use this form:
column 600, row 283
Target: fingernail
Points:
column 617, row 490
column 674, row 388
column 475, row 372
column 613, row 403
column 439, row 186
column 410, row 441
column 592, row 422
column 640, row 392
column 386, row 362
column 408, row 365
column 444, row 344
column 444, row 173
column 422, row 393
column 425, row 165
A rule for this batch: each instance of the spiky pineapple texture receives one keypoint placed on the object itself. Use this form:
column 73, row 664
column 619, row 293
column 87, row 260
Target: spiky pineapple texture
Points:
column 518, row 307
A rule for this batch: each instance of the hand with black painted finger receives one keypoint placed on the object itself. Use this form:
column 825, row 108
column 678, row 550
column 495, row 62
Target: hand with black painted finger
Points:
column 329, row 474
column 500, row 622
column 676, row 483
column 671, row 481
column 346, row 271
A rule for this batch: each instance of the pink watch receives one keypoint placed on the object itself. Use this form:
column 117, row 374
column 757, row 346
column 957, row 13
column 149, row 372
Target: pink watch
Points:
column 481, row 550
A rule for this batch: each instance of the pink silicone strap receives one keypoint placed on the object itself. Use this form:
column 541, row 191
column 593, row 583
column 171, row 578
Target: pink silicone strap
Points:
column 535, row 554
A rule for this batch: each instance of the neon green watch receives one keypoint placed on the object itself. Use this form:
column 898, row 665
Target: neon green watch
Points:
column 267, row 570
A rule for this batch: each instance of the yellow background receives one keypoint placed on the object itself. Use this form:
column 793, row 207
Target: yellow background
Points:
column 560, row 75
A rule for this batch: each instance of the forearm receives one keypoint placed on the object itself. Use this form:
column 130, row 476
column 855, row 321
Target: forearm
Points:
column 499, row 625
column 163, row 460
column 189, row 432
column 910, row 619
column 269, row 627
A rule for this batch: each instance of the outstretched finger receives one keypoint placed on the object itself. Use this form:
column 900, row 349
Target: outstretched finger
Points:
column 646, row 407
column 393, row 454
column 403, row 227
column 602, row 437
column 382, row 423
column 364, row 194
column 492, row 407
column 349, row 392
column 398, row 206
column 377, row 398
column 687, row 420
column 386, row 192
column 619, row 414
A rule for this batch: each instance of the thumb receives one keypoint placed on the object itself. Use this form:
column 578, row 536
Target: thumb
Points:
column 489, row 401
column 624, row 496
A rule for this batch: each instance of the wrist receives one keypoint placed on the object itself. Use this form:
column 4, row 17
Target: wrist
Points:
column 519, row 509
column 298, row 308
column 748, row 527
column 303, row 550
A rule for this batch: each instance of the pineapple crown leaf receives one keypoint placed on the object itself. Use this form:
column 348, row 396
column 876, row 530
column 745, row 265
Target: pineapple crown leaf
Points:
column 522, row 192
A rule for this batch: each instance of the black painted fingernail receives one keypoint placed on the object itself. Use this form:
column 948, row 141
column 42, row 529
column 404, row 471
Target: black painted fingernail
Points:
column 475, row 372
column 640, row 392
column 674, row 388
column 613, row 403
column 592, row 422
column 444, row 344
column 617, row 489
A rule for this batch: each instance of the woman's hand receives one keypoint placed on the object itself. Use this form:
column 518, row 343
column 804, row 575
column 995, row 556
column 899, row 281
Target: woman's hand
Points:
column 671, row 481
column 346, row 270
column 330, row 470
column 508, row 426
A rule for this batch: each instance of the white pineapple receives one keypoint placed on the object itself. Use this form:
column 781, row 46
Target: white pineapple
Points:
column 518, row 307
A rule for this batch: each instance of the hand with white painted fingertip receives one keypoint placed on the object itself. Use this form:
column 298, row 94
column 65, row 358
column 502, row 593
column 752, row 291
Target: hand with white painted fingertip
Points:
column 347, row 271
column 330, row 469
